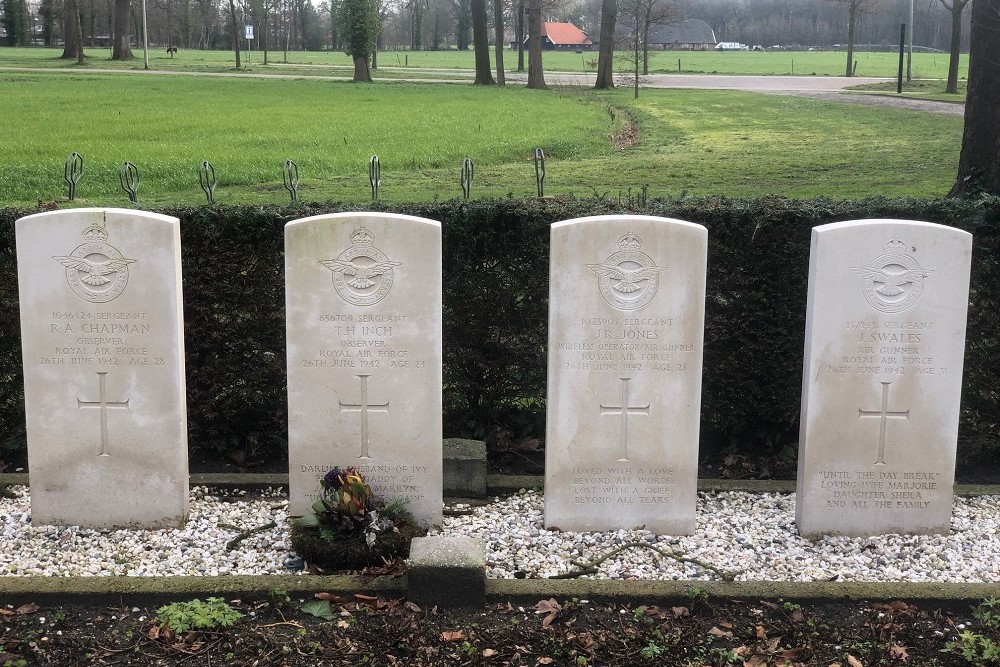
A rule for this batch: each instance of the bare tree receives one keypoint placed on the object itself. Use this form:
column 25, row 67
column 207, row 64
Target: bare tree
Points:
column 73, row 31
column 519, row 34
column 235, row 31
column 481, row 44
column 536, row 76
column 854, row 8
column 122, row 48
column 606, row 52
column 655, row 12
column 979, row 162
column 956, row 8
column 498, row 31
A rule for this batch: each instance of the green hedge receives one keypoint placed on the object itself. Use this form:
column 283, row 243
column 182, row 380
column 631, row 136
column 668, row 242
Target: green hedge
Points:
column 495, row 308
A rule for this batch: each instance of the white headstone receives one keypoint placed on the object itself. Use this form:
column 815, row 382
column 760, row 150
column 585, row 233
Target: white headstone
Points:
column 102, row 331
column 882, row 379
column 363, row 309
column 626, row 323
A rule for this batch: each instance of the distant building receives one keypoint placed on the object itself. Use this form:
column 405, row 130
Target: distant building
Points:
column 564, row 37
column 687, row 35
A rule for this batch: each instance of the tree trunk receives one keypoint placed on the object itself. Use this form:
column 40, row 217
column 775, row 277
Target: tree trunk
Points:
column 957, row 6
column 536, row 77
column 852, row 19
column 498, row 29
column 361, row 72
column 481, row 44
column 417, row 22
column 605, row 56
column 645, row 39
column 72, row 31
column 122, row 48
column 979, row 163
column 519, row 36
column 236, row 32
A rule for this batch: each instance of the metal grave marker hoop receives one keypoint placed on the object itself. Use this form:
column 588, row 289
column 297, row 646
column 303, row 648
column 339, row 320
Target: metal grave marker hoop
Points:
column 128, row 177
column 290, row 178
column 375, row 175
column 73, row 172
column 468, row 171
column 207, row 180
column 540, row 171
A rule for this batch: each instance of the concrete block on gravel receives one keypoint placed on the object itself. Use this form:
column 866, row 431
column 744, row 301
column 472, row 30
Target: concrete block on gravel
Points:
column 447, row 572
column 464, row 468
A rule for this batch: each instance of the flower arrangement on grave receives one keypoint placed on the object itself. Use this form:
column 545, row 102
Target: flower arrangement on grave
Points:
column 351, row 526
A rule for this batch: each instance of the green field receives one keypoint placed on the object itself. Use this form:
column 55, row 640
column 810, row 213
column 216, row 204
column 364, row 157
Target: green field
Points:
column 702, row 142
column 806, row 63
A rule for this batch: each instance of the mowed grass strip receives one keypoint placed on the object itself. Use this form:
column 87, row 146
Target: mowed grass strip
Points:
column 334, row 63
column 247, row 128
column 701, row 142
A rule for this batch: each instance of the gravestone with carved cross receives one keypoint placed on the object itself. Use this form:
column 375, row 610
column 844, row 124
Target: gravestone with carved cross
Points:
column 363, row 309
column 626, row 322
column 882, row 379
column 103, row 351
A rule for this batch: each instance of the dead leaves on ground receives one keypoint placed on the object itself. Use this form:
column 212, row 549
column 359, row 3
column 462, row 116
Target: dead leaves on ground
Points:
column 550, row 608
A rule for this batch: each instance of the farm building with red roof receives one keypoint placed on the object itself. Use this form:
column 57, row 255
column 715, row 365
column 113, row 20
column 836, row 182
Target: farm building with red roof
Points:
column 564, row 36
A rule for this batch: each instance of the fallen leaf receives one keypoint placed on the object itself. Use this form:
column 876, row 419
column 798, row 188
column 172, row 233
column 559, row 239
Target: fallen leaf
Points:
column 898, row 605
column 488, row 653
column 343, row 625
column 330, row 597
column 29, row 608
column 716, row 632
column 727, row 626
column 6, row 612
column 550, row 607
column 834, row 664
column 854, row 662
column 761, row 633
column 755, row 661
column 680, row 611
column 365, row 598
column 319, row 609
column 154, row 632
column 899, row 652
column 798, row 616
column 453, row 636
column 412, row 607
column 544, row 661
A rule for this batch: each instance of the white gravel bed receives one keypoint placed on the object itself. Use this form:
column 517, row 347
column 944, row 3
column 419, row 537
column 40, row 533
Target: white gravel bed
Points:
column 199, row 548
column 749, row 534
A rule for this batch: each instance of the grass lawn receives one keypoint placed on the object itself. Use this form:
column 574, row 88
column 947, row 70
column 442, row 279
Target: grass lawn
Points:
column 805, row 63
column 921, row 90
column 704, row 142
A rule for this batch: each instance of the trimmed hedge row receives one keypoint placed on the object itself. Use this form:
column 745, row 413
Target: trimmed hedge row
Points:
column 495, row 309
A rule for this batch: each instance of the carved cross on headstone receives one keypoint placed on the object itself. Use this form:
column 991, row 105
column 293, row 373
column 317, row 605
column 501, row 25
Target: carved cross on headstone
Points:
column 624, row 410
column 104, row 405
column 883, row 415
column 364, row 407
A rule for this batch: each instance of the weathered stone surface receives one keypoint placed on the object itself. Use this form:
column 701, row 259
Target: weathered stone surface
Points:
column 882, row 379
column 363, row 307
column 464, row 468
column 626, row 323
column 446, row 571
column 102, row 338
